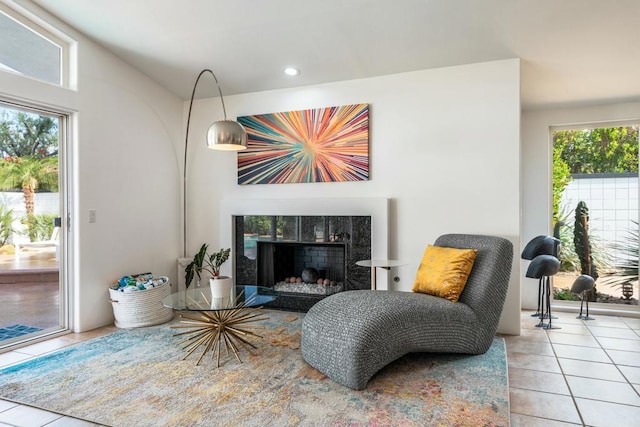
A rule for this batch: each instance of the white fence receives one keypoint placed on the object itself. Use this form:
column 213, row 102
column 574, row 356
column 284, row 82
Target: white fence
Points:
column 612, row 200
column 44, row 203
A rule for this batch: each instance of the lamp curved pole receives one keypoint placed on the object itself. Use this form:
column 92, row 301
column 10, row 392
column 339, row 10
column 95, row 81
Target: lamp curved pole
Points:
column 186, row 145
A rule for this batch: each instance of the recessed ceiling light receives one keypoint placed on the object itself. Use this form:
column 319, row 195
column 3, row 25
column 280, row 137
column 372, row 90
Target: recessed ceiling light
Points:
column 291, row 71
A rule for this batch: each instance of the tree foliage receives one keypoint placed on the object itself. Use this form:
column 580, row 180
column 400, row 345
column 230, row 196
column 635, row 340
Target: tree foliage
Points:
column 601, row 150
column 27, row 135
column 6, row 224
column 29, row 161
column 561, row 178
column 29, row 174
column 39, row 227
column 260, row 224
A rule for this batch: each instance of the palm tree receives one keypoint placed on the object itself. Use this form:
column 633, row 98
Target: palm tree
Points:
column 29, row 174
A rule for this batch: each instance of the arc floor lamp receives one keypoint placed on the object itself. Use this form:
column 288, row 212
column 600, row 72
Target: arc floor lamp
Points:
column 227, row 135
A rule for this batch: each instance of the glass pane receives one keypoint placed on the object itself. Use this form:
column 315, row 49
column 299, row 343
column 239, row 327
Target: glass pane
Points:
column 30, row 286
column 290, row 228
column 25, row 52
column 595, row 215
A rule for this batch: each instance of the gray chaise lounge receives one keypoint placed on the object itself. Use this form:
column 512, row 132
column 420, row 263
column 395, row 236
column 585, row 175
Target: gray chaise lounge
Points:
column 351, row 335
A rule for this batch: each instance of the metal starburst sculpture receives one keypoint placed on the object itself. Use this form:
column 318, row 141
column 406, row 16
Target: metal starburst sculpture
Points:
column 228, row 327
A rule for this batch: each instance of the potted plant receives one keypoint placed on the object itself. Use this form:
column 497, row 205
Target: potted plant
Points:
column 210, row 263
column 196, row 266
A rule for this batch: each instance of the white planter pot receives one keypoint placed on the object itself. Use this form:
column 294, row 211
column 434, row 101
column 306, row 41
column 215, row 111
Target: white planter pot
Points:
column 220, row 303
column 221, row 287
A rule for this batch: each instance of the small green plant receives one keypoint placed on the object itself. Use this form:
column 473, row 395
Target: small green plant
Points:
column 203, row 261
column 625, row 269
column 565, row 294
column 39, row 227
column 563, row 230
column 6, row 224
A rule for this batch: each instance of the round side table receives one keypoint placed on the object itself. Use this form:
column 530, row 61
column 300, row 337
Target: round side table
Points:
column 379, row 263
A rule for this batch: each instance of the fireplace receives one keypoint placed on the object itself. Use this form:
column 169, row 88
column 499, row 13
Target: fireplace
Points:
column 305, row 258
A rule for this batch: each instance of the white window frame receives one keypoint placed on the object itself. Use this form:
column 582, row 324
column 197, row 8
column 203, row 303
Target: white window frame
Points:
column 54, row 36
column 65, row 123
column 572, row 306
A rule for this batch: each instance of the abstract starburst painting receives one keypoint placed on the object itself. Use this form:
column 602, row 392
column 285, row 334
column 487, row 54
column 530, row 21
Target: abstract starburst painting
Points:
column 319, row 145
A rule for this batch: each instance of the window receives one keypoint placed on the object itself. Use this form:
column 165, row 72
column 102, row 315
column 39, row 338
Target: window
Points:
column 29, row 50
column 35, row 199
column 595, row 174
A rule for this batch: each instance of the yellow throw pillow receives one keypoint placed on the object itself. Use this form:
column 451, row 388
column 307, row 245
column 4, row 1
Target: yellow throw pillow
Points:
column 443, row 272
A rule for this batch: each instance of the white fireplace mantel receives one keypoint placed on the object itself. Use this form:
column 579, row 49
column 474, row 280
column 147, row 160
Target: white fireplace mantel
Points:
column 376, row 208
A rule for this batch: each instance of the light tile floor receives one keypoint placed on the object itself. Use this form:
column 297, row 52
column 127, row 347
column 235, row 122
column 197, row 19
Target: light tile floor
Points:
column 586, row 373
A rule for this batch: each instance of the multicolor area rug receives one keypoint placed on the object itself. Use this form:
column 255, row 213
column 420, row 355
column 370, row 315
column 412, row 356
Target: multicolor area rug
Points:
column 137, row 378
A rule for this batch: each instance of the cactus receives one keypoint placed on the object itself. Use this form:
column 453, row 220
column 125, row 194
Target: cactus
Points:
column 583, row 246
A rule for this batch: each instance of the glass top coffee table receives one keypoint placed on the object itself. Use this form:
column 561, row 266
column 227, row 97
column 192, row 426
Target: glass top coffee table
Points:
column 219, row 322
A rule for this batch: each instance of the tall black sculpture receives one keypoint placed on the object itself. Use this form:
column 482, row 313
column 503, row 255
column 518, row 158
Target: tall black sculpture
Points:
column 540, row 245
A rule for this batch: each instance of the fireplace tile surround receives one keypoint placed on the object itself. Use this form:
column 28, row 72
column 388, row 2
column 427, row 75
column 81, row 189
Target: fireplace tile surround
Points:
column 333, row 232
column 327, row 245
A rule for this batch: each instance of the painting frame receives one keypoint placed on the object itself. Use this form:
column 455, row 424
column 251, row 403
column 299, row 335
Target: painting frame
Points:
column 328, row 144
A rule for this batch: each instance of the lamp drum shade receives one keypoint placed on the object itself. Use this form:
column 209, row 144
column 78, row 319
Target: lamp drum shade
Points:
column 227, row 135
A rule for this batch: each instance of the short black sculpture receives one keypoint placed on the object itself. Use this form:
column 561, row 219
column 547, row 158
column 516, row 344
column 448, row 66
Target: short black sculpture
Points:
column 581, row 285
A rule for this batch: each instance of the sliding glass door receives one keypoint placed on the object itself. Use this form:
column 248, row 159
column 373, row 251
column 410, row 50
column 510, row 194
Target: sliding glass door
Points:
column 33, row 292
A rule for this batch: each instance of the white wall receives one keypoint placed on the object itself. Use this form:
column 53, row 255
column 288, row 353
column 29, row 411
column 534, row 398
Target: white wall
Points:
column 536, row 168
column 126, row 140
column 444, row 148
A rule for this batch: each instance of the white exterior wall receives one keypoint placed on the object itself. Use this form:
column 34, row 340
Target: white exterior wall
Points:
column 44, row 203
column 612, row 203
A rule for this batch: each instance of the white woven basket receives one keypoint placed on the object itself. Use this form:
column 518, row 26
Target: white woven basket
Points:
column 142, row 308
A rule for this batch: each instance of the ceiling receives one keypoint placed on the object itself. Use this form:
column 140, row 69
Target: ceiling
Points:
column 574, row 52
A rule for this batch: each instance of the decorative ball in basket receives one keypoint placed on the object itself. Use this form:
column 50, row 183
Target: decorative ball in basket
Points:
column 137, row 300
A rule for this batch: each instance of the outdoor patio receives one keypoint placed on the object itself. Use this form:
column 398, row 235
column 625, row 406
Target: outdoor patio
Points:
column 29, row 289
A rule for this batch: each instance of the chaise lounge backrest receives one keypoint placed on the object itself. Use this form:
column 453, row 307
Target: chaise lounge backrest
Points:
column 488, row 282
